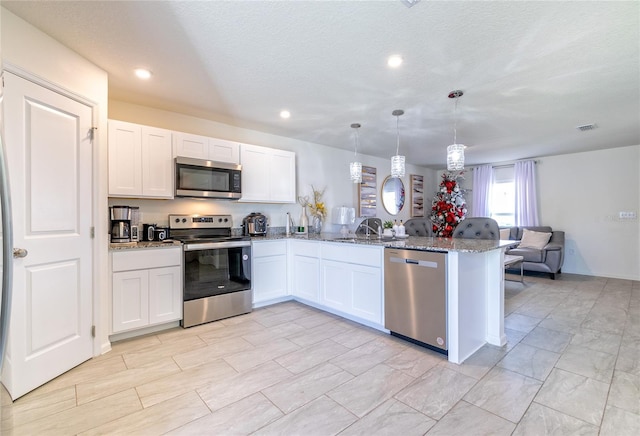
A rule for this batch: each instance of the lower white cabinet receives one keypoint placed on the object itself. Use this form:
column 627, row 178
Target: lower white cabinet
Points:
column 367, row 293
column 352, row 280
column 269, row 270
column 146, row 288
column 305, row 270
column 340, row 277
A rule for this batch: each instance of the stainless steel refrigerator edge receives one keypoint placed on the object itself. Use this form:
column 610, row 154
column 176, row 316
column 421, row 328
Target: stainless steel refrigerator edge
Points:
column 6, row 260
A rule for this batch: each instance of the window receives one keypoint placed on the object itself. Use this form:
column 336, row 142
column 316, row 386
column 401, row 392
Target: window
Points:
column 502, row 202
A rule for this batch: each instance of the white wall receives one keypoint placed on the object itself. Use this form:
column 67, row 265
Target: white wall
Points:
column 317, row 165
column 582, row 194
column 27, row 49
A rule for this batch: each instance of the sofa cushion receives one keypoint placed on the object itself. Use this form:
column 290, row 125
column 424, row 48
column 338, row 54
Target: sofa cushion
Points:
column 529, row 254
column 520, row 230
column 531, row 239
column 505, row 234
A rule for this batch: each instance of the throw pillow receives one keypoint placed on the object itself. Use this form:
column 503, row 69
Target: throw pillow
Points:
column 531, row 239
column 505, row 233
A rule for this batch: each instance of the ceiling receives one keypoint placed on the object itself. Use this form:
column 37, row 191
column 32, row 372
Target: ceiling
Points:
column 531, row 72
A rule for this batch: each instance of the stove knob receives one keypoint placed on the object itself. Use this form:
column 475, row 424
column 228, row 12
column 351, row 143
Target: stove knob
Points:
column 219, row 220
column 184, row 220
column 226, row 220
column 177, row 220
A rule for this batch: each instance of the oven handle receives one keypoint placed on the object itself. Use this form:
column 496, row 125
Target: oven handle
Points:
column 215, row 245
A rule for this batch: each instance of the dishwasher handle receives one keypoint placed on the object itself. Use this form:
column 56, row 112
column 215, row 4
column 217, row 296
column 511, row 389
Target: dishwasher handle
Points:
column 425, row 263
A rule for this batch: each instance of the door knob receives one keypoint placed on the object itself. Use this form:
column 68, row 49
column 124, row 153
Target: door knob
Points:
column 20, row 252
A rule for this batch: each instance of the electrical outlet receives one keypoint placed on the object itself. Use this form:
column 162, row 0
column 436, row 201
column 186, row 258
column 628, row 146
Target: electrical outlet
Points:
column 627, row 215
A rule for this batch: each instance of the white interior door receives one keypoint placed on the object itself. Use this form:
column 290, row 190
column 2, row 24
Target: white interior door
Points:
column 50, row 165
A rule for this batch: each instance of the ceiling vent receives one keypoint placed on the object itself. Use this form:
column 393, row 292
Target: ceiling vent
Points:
column 586, row 127
column 409, row 3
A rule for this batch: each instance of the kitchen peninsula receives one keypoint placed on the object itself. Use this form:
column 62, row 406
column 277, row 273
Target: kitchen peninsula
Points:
column 345, row 275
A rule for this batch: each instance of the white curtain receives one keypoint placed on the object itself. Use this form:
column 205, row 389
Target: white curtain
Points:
column 526, row 213
column 482, row 181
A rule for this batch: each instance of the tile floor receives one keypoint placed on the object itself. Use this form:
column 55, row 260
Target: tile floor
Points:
column 571, row 366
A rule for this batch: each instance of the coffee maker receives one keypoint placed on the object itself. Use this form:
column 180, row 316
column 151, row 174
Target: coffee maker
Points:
column 120, row 224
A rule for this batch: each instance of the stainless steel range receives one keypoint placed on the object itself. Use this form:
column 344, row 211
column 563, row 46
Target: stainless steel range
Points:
column 217, row 268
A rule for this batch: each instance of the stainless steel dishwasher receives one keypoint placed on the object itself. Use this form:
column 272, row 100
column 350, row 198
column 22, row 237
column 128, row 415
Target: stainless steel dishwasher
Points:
column 415, row 296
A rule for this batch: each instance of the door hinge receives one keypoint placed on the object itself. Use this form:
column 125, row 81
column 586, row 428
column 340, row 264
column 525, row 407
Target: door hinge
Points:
column 93, row 331
column 92, row 232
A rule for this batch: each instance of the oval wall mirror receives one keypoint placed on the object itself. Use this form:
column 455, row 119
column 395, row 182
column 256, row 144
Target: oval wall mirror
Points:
column 393, row 195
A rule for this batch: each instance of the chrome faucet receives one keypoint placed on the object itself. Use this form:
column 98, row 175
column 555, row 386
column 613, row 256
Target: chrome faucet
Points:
column 367, row 228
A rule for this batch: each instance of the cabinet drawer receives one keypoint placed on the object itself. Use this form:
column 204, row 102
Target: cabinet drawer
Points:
column 269, row 248
column 305, row 248
column 144, row 259
column 351, row 253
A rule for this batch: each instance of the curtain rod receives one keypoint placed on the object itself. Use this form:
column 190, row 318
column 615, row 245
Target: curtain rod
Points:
column 507, row 165
column 513, row 164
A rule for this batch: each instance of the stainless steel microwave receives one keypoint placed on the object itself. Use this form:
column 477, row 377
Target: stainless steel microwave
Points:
column 207, row 179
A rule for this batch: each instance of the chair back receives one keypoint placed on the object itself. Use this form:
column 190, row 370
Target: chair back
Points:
column 418, row 227
column 477, row 228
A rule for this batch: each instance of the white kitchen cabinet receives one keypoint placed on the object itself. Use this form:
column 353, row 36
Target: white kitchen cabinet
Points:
column 367, row 293
column 146, row 288
column 130, row 300
column 203, row 147
column 352, row 280
column 336, row 285
column 224, row 151
column 268, row 175
column 140, row 161
column 305, row 269
column 165, row 294
column 269, row 270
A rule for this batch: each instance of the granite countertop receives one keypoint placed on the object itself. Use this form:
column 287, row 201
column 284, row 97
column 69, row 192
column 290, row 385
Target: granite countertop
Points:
column 411, row 242
column 144, row 245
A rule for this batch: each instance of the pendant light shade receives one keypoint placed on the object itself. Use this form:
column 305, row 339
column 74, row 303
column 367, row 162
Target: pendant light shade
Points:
column 455, row 152
column 455, row 157
column 355, row 168
column 397, row 161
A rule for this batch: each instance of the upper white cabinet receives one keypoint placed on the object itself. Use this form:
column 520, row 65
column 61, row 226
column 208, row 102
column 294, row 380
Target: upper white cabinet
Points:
column 140, row 161
column 268, row 175
column 203, row 147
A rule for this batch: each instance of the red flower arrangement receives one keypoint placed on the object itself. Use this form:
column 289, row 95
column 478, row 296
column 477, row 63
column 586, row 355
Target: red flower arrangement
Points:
column 448, row 207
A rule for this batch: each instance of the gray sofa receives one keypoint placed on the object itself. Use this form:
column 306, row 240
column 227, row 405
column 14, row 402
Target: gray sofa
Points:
column 548, row 260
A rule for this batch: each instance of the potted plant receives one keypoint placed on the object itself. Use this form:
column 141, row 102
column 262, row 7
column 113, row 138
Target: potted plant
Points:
column 388, row 226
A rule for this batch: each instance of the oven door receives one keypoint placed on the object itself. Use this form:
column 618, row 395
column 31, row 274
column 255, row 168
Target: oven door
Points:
column 216, row 268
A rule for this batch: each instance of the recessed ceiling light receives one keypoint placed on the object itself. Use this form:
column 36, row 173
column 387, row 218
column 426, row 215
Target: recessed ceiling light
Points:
column 285, row 114
column 141, row 73
column 394, row 61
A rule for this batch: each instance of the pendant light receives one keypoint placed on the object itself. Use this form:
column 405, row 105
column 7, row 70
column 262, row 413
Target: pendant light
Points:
column 397, row 161
column 455, row 152
column 355, row 167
